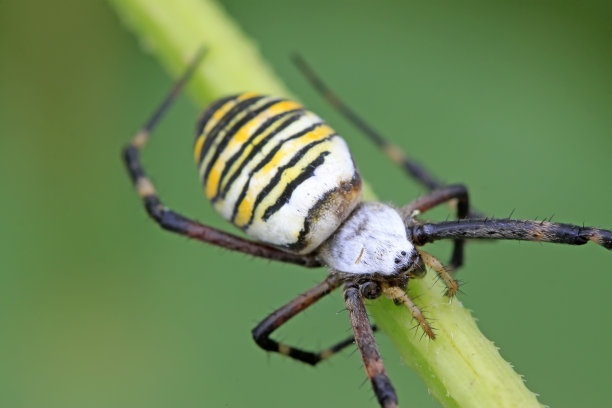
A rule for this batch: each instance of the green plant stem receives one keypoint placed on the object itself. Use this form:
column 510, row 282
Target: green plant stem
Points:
column 461, row 367
column 175, row 30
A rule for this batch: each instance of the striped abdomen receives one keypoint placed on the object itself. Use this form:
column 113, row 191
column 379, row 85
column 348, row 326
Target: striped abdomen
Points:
column 276, row 170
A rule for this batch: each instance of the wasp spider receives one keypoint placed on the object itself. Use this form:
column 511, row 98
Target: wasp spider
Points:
column 283, row 176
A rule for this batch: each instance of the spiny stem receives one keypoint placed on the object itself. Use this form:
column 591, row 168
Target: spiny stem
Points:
column 461, row 367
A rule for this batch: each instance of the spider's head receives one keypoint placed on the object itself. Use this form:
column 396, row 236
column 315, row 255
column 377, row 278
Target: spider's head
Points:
column 414, row 266
column 373, row 240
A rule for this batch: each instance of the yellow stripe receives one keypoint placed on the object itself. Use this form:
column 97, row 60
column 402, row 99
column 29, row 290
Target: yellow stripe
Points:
column 247, row 131
column 215, row 118
column 263, row 177
column 198, row 147
column 219, row 113
column 288, row 176
column 222, row 132
column 281, row 107
column 212, row 181
column 214, row 176
column 319, row 133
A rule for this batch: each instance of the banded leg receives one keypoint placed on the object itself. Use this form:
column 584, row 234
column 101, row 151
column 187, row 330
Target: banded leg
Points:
column 393, row 152
column 364, row 338
column 522, row 230
column 175, row 222
column 399, row 296
column 261, row 333
column 435, row 198
column 414, row 169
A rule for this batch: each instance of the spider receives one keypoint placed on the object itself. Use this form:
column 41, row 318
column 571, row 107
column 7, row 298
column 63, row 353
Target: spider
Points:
column 283, row 176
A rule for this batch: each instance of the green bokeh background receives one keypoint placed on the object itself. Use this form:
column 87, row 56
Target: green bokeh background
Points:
column 99, row 308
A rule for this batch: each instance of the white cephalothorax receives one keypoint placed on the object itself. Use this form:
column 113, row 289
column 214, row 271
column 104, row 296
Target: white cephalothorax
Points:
column 371, row 241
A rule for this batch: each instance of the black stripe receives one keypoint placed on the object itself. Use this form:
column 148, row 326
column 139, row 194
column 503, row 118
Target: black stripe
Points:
column 285, row 196
column 305, row 356
column 297, row 113
column 265, row 160
column 207, row 114
column 313, row 214
column 300, row 243
column 279, row 173
column 231, row 132
column 222, row 123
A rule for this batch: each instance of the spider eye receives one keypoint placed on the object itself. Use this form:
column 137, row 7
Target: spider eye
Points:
column 370, row 290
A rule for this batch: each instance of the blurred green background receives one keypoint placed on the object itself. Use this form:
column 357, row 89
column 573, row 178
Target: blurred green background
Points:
column 100, row 308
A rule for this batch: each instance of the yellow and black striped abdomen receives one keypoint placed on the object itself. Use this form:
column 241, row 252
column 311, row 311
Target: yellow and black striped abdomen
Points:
column 276, row 170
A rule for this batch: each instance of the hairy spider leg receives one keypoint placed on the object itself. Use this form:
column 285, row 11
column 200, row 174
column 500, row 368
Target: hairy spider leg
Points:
column 503, row 228
column 399, row 297
column 364, row 338
column 451, row 284
column 393, row 152
column 263, row 331
column 434, row 198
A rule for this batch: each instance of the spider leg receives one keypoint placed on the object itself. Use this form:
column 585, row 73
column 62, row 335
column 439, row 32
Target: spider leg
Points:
column 522, row 230
column 399, row 296
column 451, row 284
column 177, row 223
column 435, row 198
column 261, row 333
column 414, row 169
column 364, row 338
